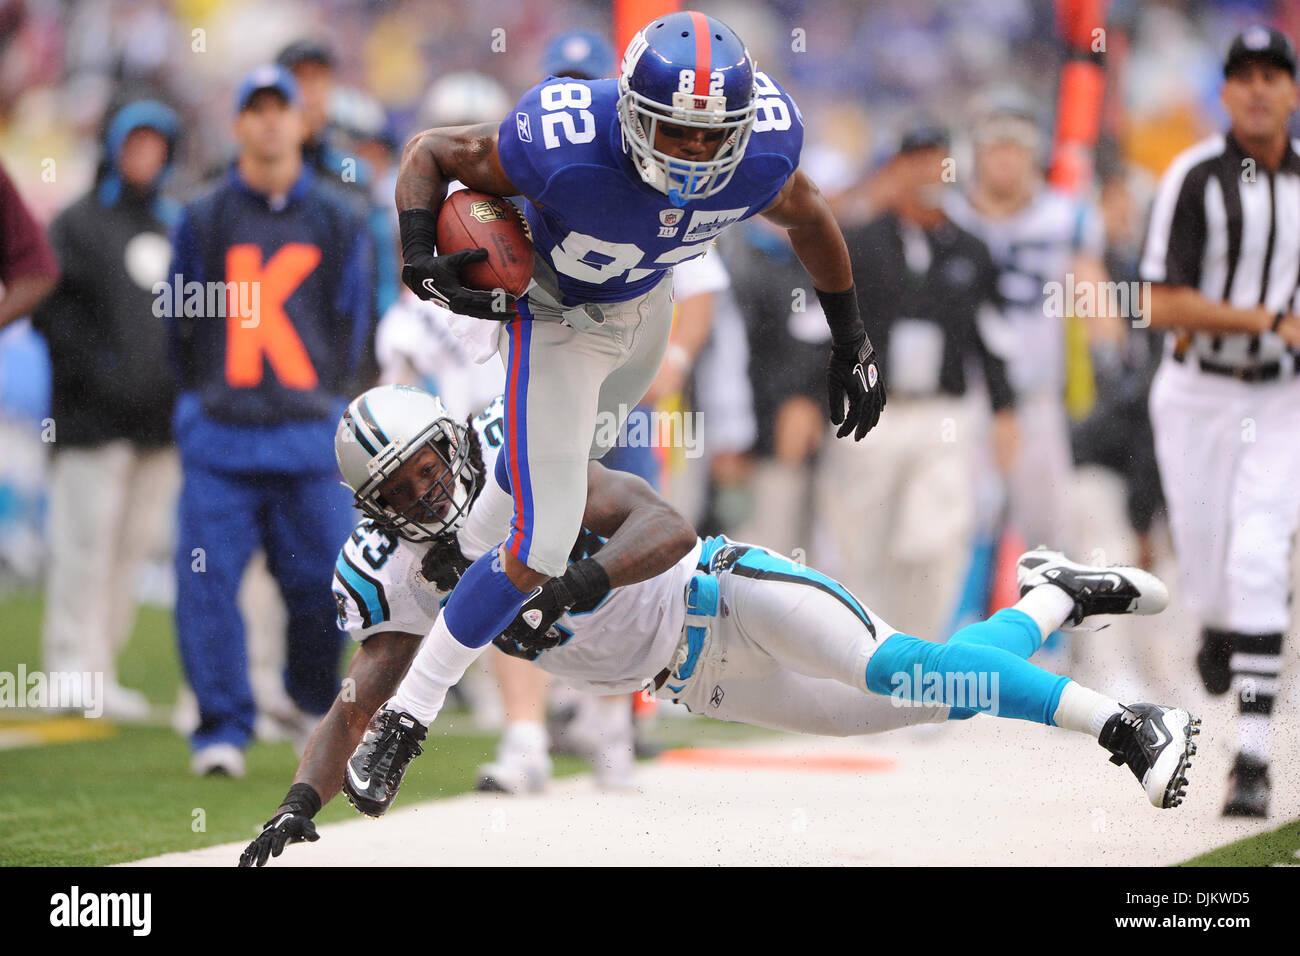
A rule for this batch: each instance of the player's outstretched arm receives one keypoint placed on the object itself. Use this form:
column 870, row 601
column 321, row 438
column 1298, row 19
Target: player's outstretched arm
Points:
column 646, row 536
column 376, row 670
column 431, row 160
column 802, row 209
column 853, row 374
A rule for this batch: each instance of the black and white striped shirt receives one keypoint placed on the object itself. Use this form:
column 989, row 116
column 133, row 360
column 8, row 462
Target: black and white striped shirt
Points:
column 1226, row 226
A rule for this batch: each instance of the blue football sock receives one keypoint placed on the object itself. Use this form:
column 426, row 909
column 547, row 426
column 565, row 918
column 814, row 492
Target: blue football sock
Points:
column 1008, row 629
column 1001, row 682
column 484, row 602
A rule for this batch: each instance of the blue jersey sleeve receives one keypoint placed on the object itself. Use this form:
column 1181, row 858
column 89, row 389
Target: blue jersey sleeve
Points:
column 776, row 142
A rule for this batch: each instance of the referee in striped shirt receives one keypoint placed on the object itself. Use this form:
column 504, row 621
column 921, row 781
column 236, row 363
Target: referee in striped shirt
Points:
column 1223, row 257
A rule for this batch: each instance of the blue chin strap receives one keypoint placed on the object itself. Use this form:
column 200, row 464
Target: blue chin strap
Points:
column 680, row 195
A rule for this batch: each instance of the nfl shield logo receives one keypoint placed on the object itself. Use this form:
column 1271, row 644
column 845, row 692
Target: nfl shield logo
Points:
column 533, row 617
column 670, row 217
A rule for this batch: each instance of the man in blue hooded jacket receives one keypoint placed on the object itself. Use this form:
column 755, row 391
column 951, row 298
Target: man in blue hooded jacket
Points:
column 113, row 474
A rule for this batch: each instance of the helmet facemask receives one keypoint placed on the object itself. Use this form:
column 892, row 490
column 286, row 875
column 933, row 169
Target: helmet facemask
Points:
column 684, row 180
column 443, row 506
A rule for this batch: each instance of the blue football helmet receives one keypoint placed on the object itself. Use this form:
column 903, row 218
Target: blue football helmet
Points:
column 686, row 69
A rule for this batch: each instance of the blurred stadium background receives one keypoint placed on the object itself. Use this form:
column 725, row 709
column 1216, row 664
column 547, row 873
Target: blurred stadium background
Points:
column 862, row 72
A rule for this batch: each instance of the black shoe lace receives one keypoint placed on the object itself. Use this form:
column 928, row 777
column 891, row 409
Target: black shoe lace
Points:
column 1125, row 743
column 396, row 740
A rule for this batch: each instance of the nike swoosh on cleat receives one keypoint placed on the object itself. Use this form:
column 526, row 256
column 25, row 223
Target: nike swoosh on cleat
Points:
column 1162, row 735
column 361, row 783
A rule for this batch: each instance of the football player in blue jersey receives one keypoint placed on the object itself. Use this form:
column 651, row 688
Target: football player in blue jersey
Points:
column 623, row 178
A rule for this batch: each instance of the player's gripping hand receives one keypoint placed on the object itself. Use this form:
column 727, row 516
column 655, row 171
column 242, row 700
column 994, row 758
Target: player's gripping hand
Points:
column 291, row 824
column 583, row 584
column 853, row 379
column 530, row 632
column 437, row 278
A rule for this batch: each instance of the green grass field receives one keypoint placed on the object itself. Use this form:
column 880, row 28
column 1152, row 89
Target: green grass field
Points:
column 1280, row 846
column 130, row 794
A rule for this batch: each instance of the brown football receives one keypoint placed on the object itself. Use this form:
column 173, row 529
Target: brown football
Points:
column 474, row 220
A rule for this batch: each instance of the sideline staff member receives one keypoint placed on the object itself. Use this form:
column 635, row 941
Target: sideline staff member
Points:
column 260, row 396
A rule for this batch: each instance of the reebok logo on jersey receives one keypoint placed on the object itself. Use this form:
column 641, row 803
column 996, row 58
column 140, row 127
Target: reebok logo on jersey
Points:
column 524, row 127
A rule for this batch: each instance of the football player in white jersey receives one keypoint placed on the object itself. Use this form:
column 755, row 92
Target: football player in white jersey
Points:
column 731, row 630
column 1037, row 236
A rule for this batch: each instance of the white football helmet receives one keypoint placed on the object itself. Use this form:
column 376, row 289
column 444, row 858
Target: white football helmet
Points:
column 464, row 98
column 390, row 425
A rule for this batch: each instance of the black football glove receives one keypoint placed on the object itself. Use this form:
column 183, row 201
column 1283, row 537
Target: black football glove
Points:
column 276, row 835
column 291, row 824
column 530, row 632
column 437, row 278
column 853, row 377
column 583, row 585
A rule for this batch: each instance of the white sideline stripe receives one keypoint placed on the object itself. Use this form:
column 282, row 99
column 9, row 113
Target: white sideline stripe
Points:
column 1036, row 796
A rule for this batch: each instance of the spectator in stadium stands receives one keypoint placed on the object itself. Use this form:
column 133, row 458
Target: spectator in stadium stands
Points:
column 263, row 382
column 313, row 66
column 113, row 475
column 922, row 284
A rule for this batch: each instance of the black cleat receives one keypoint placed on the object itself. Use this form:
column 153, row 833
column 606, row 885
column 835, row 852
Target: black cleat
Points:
column 1248, row 788
column 376, row 767
column 1156, row 744
column 1096, row 590
column 1212, row 661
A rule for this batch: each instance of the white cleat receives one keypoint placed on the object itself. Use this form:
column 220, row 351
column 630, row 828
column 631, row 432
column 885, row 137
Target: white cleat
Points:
column 1156, row 743
column 1095, row 590
column 515, row 773
column 218, row 760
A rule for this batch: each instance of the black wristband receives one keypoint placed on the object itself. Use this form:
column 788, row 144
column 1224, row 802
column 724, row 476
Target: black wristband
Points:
column 583, row 582
column 419, row 231
column 302, row 798
column 842, row 316
column 1277, row 320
